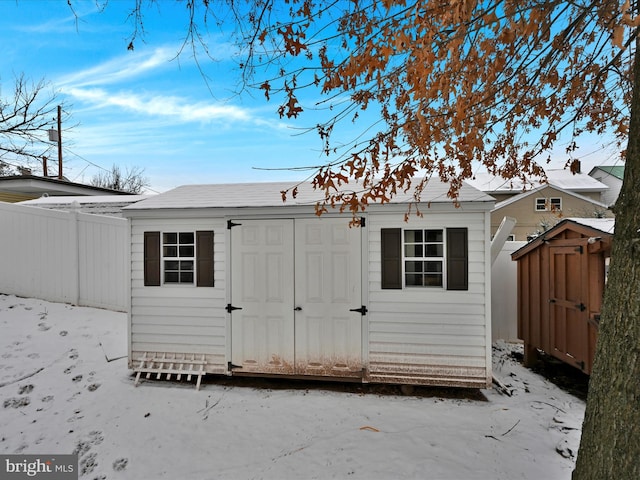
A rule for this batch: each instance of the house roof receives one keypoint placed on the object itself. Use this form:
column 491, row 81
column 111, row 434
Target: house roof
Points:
column 561, row 178
column 111, row 205
column 269, row 195
column 613, row 170
column 588, row 227
column 37, row 186
column 538, row 190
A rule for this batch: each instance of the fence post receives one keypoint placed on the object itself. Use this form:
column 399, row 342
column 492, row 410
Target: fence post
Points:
column 75, row 253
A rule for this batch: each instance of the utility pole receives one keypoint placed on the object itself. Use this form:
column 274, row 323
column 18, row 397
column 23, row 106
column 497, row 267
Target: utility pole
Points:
column 56, row 136
column 59, row 143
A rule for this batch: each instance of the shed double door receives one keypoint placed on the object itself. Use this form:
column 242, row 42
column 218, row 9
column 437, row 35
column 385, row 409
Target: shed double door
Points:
column 568, row 313
column 296, row 301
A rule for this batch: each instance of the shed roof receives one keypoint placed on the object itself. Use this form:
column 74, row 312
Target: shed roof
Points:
column 587, row 226
column 268, row 194
column 561, row 178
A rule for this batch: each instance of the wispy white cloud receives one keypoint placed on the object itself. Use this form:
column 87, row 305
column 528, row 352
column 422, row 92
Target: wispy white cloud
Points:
column 120, row 69
column 178, row 108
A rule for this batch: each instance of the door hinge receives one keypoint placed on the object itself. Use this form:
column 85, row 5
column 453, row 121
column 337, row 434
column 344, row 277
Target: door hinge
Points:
column 362, row 310
column 581, row 307
column 231, row 366
column 230, row 308
column 552, row 300
column 578, row 249
column 230, row 224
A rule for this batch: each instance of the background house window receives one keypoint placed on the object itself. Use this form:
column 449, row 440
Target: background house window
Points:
column 556, row 204
column 423, row 258
column 178, row 254
column 541, row 204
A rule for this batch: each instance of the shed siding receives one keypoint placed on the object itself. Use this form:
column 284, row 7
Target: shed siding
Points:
column 429, row 335
column 179, row 318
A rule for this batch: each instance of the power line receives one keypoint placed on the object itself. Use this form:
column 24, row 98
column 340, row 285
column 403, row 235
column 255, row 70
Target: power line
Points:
column 89, row 162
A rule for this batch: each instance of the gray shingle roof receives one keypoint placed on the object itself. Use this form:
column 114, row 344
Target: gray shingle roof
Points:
column 269, row 195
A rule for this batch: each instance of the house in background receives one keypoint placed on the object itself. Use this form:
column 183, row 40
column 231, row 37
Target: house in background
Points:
column 612, row 176
column 538, row 205
column 541, row 208
column 18, row 188
column 229, row 280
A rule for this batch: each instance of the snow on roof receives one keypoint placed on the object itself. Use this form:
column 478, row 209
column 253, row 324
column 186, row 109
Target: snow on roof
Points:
column 561, row 178
column 606, row 225
column 83, row 199
column 111, row 205
column 517, row 198
column 269, row 194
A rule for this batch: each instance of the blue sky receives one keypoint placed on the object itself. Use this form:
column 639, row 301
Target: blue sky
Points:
column 148, row 109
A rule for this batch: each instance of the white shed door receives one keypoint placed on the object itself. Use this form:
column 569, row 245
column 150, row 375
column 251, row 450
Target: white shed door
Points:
column 262, row 291
column 328, row 283
column 296, row 287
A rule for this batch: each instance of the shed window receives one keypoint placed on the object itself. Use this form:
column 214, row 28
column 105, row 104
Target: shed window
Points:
column 186, row 258
column 178, row 255
column 424, row 258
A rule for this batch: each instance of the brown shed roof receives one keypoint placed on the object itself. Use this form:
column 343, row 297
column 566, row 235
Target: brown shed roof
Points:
column 588, row 227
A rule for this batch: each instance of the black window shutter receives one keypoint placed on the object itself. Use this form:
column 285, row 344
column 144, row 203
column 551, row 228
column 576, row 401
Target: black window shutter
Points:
column 391, row 239
column 457, row 259
column 151, row 259
column 204, row 258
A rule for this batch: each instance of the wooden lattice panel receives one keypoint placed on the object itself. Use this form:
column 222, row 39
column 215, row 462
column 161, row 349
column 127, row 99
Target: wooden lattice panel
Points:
column 169, row 364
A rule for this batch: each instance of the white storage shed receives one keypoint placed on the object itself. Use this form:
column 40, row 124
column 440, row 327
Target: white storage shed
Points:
column 231, row 280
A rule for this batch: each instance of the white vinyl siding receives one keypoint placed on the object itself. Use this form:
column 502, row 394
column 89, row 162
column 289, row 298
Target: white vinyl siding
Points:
column 430, row 335
column 174, row 319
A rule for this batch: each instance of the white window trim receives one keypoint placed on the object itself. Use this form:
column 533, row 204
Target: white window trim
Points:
column 178, row 258
column 442, row 260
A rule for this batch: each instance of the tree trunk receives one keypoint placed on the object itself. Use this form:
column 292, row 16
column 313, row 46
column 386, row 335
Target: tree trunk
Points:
column 610, row 444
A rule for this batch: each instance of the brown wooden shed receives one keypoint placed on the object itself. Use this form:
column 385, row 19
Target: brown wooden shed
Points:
column 561, row 279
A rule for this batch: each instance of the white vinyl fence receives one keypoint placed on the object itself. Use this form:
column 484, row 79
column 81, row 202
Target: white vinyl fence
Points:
column 504, row 294
column 68, row 257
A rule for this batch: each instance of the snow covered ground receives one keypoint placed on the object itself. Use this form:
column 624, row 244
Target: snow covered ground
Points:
column 59, row 394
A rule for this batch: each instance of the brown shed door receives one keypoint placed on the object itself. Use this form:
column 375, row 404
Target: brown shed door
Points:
column 568, row 311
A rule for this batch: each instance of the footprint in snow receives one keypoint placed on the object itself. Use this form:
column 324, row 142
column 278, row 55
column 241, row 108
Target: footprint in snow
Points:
column 73, row 354
column 25, row 389
column 93, row 387
column 76, row 379
column 16, row 402
column 120, row 464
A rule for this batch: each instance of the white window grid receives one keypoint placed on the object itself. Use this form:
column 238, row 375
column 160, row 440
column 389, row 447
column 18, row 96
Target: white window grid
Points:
column 424, row 257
